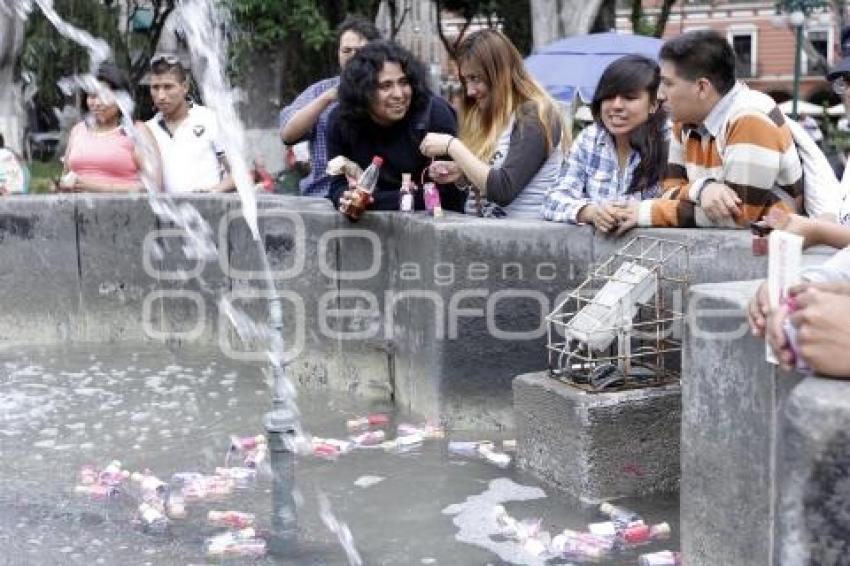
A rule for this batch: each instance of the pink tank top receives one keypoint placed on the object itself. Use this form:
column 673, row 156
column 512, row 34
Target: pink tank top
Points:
column 105, row 156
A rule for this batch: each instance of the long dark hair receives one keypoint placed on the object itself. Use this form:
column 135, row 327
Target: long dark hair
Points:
column 629, row 74
column 359, row 81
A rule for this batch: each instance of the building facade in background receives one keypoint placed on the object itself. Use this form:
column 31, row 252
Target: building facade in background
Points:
column 764, row 42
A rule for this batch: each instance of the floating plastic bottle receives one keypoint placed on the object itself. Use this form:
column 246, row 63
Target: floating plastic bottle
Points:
column 635, row 534
column 427, row 431
column 403, row 443
column 255, row 457
column 468, row 448
column 232, row 519
column 370, row 438
column 97, row 491
column 377, row 419
column 362, row 194
column 149, row 486
column 405, row 200
column 222, row 548
column 663, row 558
column 113, row 474
column 175, row 505
column 88, row 475
column 242, row 477
column 207, row 487
column 574, row 544
column 499, row 459
column 619, row 515
column 245, row 443
column 152, row 518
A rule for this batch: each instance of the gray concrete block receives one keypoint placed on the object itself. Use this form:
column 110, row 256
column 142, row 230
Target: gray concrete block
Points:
column 730, row 402
column 813, row 468
column 598, row 446
column 39, row 273
column 113, row 279
column 186, row 308
column 505, row 278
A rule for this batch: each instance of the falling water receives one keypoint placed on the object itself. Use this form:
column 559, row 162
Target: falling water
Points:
column 204, row 22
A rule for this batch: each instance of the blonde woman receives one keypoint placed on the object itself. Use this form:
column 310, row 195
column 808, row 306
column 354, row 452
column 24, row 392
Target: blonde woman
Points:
column 512, row 135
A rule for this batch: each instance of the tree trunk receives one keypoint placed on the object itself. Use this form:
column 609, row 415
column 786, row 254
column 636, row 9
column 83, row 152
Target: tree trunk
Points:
column 571, row 17
column 12, row 122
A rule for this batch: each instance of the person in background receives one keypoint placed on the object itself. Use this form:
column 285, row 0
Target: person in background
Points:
column 385, row 109
column 512, row 135
column 621, row 155
column 812, row 128
column 307, row 117
column 840, row 79
column 186, row 133
column 732, row 157
column 101, row 156
column 14, row 176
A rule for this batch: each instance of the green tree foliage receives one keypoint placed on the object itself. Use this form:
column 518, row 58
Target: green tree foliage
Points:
column 47, row 56
column 513, row 16
column 301, row 32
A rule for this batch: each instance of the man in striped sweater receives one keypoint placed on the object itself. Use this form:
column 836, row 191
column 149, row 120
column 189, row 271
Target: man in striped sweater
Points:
column 732, row 157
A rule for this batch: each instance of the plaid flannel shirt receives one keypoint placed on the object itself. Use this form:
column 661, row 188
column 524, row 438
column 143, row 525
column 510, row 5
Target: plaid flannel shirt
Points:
column 317, row 183
column 592, row 175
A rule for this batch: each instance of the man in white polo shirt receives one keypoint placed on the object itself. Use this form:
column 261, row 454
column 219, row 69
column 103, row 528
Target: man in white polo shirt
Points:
column 187, row 134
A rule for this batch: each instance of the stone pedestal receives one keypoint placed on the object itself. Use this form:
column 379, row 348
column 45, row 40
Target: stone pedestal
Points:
column 813, row 475
column 598, row 446
column 731, row 400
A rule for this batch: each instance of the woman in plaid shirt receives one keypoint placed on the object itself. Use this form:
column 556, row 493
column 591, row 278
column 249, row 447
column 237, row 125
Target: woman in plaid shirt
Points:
column 621, row 155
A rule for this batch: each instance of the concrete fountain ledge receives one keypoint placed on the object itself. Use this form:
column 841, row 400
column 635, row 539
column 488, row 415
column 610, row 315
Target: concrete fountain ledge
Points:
column 438, row 315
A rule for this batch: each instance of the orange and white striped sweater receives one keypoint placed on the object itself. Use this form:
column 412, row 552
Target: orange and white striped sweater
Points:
column 744, row 143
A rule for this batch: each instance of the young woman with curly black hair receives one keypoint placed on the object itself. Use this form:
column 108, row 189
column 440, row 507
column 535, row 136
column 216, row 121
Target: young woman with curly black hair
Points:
column 385, row 109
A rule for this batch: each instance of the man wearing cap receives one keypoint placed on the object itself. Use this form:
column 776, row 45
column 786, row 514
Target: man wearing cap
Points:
column 187, row 134
column 307, row 117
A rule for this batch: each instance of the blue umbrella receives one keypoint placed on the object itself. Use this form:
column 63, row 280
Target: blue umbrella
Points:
column 574, row 64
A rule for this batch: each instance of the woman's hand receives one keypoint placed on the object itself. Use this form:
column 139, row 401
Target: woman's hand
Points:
column 602, row 215
column 444, row 172
column 434, row 145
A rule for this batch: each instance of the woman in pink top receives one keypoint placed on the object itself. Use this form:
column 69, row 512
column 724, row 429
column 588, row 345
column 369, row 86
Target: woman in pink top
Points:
column 101, row 156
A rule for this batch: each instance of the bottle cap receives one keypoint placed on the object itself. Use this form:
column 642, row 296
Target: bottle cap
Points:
column 378, row 160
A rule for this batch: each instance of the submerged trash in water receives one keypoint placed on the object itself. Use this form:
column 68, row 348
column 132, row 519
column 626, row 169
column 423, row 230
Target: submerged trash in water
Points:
column 232, row 519
column 370, row 438
column 377, row 419
column 103, row 484
column 482, row 449
column 427, row 431
column 663, row 558
column 240, row 543
column 153, row 518
column 620, row 515
column 368, row 481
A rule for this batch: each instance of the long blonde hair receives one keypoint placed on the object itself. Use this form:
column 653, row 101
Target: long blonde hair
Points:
column 510, row 86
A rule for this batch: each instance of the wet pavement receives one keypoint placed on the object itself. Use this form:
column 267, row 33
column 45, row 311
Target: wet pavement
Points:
column 62, row 408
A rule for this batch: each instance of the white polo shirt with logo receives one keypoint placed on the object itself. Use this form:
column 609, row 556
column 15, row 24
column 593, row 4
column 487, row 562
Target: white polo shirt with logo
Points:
column 190, row 154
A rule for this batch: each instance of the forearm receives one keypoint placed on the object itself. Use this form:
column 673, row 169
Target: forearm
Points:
column 226, row 185
column 475, row 170
column 303, row 120
column 822, row 233
column 561, row 206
